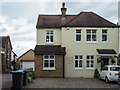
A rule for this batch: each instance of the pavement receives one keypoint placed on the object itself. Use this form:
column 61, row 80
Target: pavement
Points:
column 59, row 83
column 70, row 83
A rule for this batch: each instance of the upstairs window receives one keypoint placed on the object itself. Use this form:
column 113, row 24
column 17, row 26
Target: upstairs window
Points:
column 104, row 35
column 78, row 62
column 49, row 37
column 78, row 35
column 91, row 35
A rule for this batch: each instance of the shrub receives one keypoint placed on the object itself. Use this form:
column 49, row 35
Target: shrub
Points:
column 96, row 73
column 29, row 79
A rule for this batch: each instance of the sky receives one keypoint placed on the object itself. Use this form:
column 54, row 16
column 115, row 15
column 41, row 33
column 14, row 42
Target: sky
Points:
column 18, row 18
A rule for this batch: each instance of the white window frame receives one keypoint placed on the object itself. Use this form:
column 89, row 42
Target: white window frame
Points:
column 104, row 34
column 49, row 35
column 78, row 34
column 90, row 68
column 48, row 68
column 79, row 59
column 91, row 41
column 8, row 55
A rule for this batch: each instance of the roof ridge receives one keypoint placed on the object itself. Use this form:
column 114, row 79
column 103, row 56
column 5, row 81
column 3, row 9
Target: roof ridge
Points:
column 72, row 19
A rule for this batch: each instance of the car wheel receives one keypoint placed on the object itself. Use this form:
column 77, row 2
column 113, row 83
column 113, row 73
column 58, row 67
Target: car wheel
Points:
column 99, row 77
column 106, row 80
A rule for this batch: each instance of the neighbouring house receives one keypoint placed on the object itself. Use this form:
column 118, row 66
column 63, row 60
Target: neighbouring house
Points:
column 6, row 50
column 74, row 45
column 13, row 60
column 26, row 61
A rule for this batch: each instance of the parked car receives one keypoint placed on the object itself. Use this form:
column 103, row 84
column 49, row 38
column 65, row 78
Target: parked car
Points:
column 109, row 73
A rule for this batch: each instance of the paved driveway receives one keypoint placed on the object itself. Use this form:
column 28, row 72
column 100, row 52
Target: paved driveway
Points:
column 70, row 83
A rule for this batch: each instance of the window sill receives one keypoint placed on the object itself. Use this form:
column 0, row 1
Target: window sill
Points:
column 49, row 43
column 104, row 42
column 78, row 42
column 49, row 68
column 90, row 69
column 92, row 42
column 78, row 68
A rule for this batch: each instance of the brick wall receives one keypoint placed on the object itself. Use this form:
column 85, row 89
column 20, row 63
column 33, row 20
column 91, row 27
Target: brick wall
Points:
column 49, row 73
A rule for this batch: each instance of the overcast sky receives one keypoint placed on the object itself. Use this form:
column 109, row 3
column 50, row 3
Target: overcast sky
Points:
column 19, row 19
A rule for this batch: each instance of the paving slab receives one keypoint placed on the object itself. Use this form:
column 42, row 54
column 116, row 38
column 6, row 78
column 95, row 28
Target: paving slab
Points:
column 70, row 83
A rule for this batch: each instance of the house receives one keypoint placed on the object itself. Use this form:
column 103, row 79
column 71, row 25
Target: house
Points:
column 13, row 60
column 74, row 45
column 6, row 49
column 26, row 60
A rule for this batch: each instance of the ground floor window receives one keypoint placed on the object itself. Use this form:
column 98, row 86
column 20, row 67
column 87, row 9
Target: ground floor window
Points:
column 78, row 61
column 90, row 62
column 48, row 62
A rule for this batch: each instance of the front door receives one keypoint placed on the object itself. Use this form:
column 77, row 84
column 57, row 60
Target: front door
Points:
column 105, row 61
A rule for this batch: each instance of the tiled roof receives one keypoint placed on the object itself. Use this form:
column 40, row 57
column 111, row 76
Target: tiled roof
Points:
column 106, row 51
column 52, row 21
column 49, row 50
column 83, row 19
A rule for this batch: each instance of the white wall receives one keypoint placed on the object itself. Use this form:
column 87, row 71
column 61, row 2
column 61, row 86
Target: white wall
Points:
column 28, row 65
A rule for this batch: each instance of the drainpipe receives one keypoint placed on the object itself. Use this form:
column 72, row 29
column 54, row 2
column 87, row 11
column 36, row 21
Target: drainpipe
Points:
column 63, row 67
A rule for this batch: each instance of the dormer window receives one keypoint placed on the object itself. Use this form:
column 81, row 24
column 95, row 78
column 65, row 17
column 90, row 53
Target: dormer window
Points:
column 49, row 37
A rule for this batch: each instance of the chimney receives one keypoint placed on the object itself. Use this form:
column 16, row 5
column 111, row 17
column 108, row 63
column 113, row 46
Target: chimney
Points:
column 63, row 10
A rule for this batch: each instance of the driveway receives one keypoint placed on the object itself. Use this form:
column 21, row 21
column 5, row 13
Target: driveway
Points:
column 70, row 83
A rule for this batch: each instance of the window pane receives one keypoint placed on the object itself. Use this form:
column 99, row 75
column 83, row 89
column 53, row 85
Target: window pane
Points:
column 104, row 31
column 51, row 32
column 87, row 63
column 92, row 57
column 91, row 64
column 87, row 57
column 93, row 37
column 80, row 57
column 104, row 37
column 93, row 31
column 51, row 63
column 88, row 31
column 80, row 63
column 76, row 63
column 51, row 57
column 78, row 37
column 45, row 63
column 51, row 38
column 88, row 37
column 46, row 57
column 47, row 38
column 76, row 57
column 78, row 31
